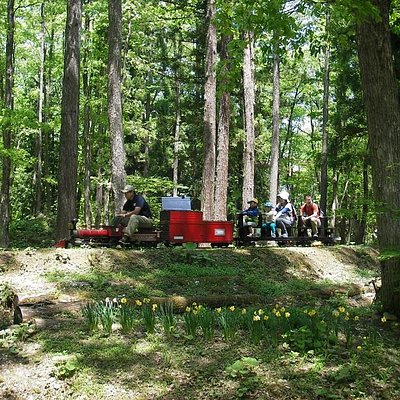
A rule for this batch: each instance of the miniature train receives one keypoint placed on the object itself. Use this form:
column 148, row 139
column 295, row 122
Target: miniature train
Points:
column 187, row 226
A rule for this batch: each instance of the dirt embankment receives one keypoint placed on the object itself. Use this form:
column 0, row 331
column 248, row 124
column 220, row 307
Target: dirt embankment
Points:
column 30, row 271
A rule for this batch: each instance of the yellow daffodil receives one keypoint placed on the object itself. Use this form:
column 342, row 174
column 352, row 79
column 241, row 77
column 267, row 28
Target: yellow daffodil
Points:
column 383, row 319
column 359, row 348
column 356, row 318
column 138, row 303
column 266, row 317
column 218, row 310
column 287, row 314
column 260, row 311
column 123, row 300
column 146, row 300
column 278, row 314
column 154, row 307
column 187, row 309
column 335, row 313
column 244, row 311
column 256, row 318
column 232, row 308
column 283, row 309
column 312, row 312
column 342, row 309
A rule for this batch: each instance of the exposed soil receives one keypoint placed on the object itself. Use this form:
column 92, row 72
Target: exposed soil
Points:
column 29, row 373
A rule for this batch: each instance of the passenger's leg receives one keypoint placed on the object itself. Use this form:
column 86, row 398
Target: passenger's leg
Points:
column 315, row 224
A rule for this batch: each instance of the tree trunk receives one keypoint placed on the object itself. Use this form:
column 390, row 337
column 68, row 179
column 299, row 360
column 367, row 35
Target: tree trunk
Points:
column 7, row 132
column 115, row 102
column 48, row 190
column 68, row 167
column 381, row 98
column 37, row 172
column 87, row 148
column 221, row 177
column 273, row 179
column 324, row 150
column 207, row 204
column 177, row 132
column 249, row 101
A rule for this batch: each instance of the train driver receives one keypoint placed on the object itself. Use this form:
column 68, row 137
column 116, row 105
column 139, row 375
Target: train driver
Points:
column 135, row 214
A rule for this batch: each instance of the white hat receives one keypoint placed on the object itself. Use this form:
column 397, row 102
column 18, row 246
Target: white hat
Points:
column 128, row 188
column 284, row 195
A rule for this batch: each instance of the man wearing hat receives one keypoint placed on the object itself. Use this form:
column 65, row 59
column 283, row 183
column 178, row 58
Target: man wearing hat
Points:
column 251, row 215
column 135, row 213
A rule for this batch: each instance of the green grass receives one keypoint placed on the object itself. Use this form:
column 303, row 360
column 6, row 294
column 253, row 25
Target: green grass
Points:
column 138, row 365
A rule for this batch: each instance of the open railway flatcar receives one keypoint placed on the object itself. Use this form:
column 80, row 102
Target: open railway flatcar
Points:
column 298, row 235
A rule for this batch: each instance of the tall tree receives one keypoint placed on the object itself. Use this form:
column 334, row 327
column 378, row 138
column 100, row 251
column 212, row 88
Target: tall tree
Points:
column 87, row 147
column 249, row 102
column 221, row 177
column 68, row 162
column 325, row 108
column 273, row 180
column 7, row 130
column 115, row 101
column 210, row 112
column 37, row 173
column 381, row 98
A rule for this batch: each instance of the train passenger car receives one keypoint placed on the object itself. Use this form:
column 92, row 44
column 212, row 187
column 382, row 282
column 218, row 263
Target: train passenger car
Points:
column 298, row 235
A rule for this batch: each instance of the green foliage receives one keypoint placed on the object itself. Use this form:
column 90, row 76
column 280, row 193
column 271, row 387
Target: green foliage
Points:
column 66, row 369
column 31, row 231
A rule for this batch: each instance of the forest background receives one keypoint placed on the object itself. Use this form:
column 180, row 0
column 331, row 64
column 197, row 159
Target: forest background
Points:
column 285, row 72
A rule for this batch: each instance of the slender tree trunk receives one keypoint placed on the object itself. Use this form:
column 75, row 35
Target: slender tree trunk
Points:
column 87, row 148
column 177, row 132
column 273, row 179
column 99, row 200
column 37, row 173
column 115, row 102
column 249, row 101
column 47, row 133
column 324, row 151
column 7, row 132
column 362, row 222
column 221, row 178
column 207, row 204
column 68, row 167
column 381, row 98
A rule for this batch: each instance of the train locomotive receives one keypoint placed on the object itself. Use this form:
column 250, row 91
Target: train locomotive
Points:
column 176, row 227
column 179, row 224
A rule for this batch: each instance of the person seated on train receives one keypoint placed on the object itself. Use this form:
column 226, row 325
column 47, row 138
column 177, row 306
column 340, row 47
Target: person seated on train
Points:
column 310, row 215
column 284, row 217
column 250, row 216
column 135, row 214
column 269, row 219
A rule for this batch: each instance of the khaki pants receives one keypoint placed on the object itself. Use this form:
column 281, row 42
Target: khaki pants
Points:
column 137, row 221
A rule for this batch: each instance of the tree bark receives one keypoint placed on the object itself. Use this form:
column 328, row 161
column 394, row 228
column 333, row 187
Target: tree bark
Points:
column 7, row 131
column 381, row 98
column 37, row 173
column 177, row 131
column 68, row 164
column 118, row 156
column 221, row 177
column 249, row 101
column 208, row 183
column 325, row 115
column 274, row 171
column 87, row 212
